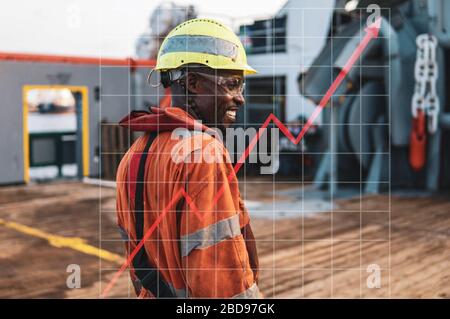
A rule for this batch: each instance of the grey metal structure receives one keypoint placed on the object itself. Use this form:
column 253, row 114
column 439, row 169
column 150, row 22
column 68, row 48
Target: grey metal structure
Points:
column 372, row 107
column 113, row 88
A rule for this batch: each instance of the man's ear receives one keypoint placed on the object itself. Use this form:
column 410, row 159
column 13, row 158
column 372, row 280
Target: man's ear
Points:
column 193, row 83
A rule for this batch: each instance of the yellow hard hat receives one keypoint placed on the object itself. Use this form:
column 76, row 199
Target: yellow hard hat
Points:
column 203, row 41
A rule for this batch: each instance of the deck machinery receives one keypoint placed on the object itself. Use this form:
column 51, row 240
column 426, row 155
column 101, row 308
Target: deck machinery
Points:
column 372, row 137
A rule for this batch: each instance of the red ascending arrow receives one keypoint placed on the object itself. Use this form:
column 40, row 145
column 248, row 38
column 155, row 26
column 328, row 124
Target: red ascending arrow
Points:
column 371, row 32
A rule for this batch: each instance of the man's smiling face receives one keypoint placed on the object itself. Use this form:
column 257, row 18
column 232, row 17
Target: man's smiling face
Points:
column 218, row 96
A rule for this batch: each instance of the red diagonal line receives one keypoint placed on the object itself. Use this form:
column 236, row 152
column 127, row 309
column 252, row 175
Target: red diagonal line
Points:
column 371, row 32
column 147, row 235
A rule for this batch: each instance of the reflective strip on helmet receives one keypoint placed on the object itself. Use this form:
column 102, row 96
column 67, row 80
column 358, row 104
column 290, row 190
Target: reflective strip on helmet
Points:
column 250, row 293
column 200, row 44
column 210, row 235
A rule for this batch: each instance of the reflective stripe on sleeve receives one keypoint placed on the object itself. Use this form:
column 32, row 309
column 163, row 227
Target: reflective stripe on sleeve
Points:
column 210, row 235
column 250, row 293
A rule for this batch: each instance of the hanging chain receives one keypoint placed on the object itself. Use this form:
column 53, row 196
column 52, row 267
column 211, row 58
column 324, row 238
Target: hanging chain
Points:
column 426, row 73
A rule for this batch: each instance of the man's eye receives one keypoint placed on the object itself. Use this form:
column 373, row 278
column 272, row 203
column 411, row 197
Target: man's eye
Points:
column 234, row 84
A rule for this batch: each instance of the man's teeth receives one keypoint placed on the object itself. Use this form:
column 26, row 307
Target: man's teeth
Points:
column 231, row 113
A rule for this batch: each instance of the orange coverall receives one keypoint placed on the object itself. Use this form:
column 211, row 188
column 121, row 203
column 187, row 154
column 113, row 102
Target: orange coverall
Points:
column 207, row 254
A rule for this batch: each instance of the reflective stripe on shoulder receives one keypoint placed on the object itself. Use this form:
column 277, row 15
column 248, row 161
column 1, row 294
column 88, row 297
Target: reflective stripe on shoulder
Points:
column 210, row 235
column 250, row 293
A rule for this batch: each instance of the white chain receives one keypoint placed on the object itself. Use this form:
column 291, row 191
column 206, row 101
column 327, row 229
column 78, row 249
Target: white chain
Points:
column 426, row 74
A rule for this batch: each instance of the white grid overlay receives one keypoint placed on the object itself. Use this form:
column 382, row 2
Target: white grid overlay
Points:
column 361, row 269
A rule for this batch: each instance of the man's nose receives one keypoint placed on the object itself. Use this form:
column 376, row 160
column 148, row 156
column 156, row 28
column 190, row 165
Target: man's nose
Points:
column 239, row 99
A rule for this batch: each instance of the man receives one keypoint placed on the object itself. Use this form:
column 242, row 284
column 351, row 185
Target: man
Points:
column 202, row 245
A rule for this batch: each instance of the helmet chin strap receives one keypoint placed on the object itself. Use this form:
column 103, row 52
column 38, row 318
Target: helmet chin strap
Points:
column 177, row 75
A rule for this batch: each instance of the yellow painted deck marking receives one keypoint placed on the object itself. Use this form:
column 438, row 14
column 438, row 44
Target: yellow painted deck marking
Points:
column 74, row 243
